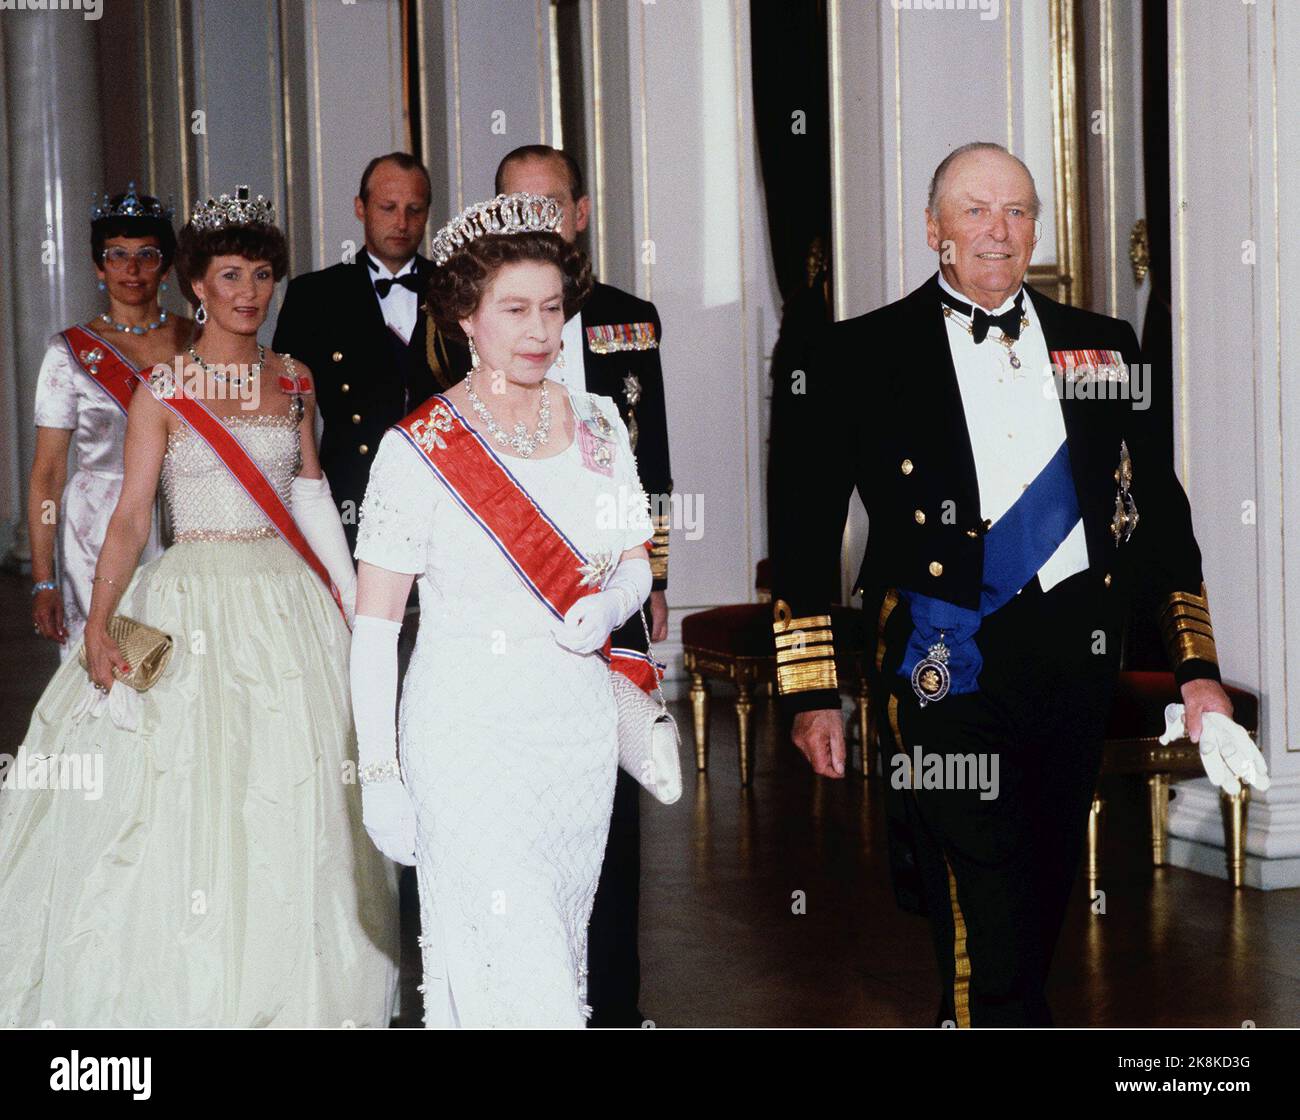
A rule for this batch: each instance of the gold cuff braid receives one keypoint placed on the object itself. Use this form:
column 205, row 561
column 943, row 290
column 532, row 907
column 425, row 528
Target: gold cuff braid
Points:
column 1186, row 630
column 659, row 547
column 805, row 651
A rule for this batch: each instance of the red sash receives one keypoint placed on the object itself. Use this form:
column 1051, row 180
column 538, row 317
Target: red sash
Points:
column 102, row 363
column 550, row 565
column 246, row 472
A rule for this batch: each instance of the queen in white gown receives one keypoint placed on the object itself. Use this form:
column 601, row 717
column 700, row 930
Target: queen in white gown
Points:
column 507, row 738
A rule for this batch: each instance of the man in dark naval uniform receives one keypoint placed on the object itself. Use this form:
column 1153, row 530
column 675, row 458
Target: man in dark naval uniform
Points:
column 1004, row 468
column 360, row 327
column 610, row 347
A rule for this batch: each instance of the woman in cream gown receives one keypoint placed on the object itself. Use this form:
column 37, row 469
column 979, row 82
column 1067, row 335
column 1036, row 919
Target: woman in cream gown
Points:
column 209, row 868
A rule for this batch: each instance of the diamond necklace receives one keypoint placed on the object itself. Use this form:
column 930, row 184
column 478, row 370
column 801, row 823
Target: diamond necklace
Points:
column 521, row 441
column 218, row 375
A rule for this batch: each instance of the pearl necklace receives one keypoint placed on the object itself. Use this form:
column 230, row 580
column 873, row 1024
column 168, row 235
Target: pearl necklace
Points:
column 217, row 375
column 105, row 317
column 521, row 441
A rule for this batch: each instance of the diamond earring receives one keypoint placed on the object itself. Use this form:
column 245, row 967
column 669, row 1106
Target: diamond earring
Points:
column 559, row 358
column 102, row 286
column 201, row 314
column 474, row 362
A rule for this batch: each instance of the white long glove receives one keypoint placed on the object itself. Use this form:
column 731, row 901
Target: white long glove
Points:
column 1227, row 752
column 386, row 808
column 318, row 518
column 594, row 617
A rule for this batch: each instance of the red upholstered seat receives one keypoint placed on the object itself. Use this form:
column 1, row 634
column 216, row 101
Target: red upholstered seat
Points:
column 1138, row 710
column 744, row 629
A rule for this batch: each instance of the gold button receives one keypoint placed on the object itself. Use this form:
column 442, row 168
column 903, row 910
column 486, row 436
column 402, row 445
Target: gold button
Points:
column 920, row 516
column 936, row 569
column 356, row 418
column 364, row 449
column 337, row 355
column 345, row 387
column 906, row 466
column 1106, row 581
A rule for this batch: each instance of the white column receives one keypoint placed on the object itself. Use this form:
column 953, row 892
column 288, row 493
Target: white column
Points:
column 1235, row 158
column 699, row 237
column 54, row 151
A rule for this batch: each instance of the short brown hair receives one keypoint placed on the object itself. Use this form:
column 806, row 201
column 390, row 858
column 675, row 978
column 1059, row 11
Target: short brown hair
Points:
column 255, row 242
column 457, row 287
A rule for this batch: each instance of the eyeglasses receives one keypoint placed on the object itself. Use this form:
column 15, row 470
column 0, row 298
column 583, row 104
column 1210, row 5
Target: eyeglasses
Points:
column 149, row 259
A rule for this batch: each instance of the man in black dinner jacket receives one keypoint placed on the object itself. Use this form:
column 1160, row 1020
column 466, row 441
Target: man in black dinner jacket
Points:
column 610, row 347
column 360, row 327
column 1001, row 445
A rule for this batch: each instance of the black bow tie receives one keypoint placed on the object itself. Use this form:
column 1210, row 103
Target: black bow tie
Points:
column 384, row 284
column 1008, row 322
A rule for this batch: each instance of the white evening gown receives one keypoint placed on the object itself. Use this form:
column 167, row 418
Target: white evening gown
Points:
column 507, row 739
column 67, row 398
column 222, row 877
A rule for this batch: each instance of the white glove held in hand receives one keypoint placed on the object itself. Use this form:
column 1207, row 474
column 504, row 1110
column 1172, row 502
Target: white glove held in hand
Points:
column 318, row 518
column 386, row 808
column 594, row 617
column 1227, row 752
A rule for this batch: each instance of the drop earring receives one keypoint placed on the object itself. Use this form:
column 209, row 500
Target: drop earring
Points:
column 163, row 286
column 201, row 314
column 102, row 286
column 473, row 355
column 559, row 358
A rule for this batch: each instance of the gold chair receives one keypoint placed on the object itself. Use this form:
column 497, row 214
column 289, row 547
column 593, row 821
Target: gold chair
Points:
column 734, row 644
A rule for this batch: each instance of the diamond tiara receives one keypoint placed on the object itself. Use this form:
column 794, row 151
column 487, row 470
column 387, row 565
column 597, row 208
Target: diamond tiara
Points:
column 237, row 211
column 507, row 213
column 131, row 206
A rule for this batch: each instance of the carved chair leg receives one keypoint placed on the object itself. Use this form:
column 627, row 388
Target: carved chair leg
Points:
column 1158, row 794
column 700, row 708
column 1094, row 839
column 744, row 708
column 864, row 730
column 1235, row 808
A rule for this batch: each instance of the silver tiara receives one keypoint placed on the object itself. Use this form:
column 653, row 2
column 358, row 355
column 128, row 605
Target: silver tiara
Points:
column 238, row 211
column 131, row 205
column 507, row 213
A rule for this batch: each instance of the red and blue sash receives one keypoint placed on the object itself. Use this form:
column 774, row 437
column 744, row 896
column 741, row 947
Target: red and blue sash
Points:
column 548, row 564
column 103, row 364
column 244, row 469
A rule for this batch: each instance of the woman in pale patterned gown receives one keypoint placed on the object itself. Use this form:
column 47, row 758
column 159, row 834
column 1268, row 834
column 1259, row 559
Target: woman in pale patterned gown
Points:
column 133, row 244
column 213, row 870
column 507, row 724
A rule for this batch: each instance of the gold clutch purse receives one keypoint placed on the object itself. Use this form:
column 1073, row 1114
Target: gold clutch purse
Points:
column 145, row 648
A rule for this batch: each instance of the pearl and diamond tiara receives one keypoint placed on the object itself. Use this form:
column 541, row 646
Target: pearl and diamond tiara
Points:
column 507, row 213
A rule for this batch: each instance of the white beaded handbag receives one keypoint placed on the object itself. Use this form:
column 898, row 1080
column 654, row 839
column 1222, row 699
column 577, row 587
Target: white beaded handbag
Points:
column 648, row 741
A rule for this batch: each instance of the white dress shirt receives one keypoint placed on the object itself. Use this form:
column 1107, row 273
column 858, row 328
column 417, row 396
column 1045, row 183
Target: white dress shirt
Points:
column 573, row 374
column 401, row 306
column 1014, row 420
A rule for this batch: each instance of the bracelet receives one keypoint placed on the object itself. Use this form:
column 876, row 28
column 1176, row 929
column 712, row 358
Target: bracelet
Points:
column 44, row 585
column 104, row 579
column 378, row 772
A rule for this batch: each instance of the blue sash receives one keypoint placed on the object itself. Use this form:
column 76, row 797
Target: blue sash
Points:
column 1022, row 541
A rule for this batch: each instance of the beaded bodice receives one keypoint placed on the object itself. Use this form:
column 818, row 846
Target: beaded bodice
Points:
column 205, row 501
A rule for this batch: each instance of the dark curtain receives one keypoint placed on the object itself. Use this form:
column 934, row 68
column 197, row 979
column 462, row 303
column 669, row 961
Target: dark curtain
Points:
column 1143, row 648
column 792, row 123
